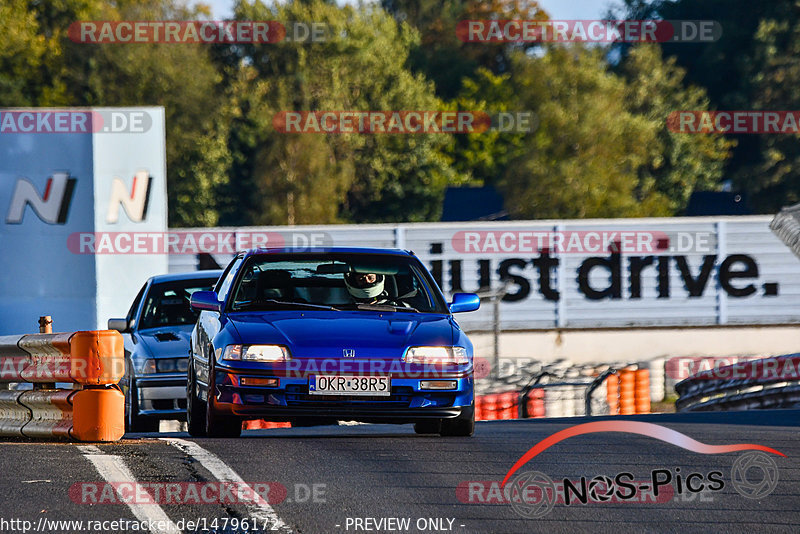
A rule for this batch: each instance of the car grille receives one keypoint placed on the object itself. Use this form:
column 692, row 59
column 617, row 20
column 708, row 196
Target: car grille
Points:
column 297, row 395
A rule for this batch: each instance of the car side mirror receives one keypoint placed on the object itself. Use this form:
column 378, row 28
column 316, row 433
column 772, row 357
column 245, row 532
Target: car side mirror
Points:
column 465, row 302
column 120, row 325
column 205, row 300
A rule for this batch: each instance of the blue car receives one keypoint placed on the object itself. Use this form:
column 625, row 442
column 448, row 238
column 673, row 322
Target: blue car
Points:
column 317, row 336
column 156, row 333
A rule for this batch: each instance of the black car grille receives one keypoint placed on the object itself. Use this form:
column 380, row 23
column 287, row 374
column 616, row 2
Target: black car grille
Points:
column 297, row 395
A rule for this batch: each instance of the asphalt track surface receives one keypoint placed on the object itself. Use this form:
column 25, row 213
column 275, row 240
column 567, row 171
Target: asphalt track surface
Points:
column 377, row 472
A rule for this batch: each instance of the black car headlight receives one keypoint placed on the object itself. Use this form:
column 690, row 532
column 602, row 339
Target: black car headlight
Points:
column 165, row 365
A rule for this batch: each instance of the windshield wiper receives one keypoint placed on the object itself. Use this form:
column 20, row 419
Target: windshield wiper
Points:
column 258, row 303
column 385, row 307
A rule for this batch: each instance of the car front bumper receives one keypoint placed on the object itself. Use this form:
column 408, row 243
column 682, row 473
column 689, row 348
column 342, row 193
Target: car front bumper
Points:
column 161, row 396
column 290, row 400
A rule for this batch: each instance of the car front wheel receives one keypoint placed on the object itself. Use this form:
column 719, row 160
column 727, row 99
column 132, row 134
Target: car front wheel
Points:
column 133, row 421
column 195, row 408
column 432, row 426
column 220, row 426
column 463, row 425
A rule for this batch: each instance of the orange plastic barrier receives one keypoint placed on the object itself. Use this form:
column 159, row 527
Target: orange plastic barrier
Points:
column 87, row 358
column 98, row 415
column 627, row 388
column 507, row 406
column 612, row 394
column 490, row 407
column 642, row 391
column 535, row 403
column 258, row 424
column 479, row 408
column 94, row 360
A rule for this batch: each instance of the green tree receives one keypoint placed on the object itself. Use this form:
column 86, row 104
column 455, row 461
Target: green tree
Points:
column 585, row 157
column 441, row 55
column 748, row 67
column 484, row 156
column 774, row 179
column 361, row 66
column 40, row 66
column 25, row 53
column 678, row 163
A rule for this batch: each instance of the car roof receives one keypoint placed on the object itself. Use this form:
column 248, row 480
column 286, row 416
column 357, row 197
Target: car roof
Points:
column 193, row 275
column 329, row 250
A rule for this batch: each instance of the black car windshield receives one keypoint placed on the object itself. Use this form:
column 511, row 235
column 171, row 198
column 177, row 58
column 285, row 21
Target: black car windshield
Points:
column 369, row 282
column 167, row 303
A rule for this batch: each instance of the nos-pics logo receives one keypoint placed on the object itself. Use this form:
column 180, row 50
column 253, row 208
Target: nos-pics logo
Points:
column 533, row 494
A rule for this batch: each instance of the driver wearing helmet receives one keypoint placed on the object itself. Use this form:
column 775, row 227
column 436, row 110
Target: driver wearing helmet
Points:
column 366, row 288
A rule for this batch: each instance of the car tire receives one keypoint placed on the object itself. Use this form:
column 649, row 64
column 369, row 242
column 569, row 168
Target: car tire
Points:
column 133, row 421
column 218, row 426
column 431, row 426
column 463, row 425
column 195, row 408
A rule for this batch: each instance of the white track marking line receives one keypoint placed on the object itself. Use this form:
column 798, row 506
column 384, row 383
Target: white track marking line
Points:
column 260, row 509
column 113, row 469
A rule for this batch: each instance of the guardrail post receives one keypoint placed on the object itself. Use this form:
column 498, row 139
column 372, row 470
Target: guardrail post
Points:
column 45, row 327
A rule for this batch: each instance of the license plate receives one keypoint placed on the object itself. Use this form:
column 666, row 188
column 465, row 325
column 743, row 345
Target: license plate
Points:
column 349, row 385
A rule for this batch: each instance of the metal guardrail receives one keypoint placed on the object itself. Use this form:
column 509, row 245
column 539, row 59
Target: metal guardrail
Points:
column 594, row 385
column 753, row 385
column 786, row 225
column 90, row 363
column 534, row 383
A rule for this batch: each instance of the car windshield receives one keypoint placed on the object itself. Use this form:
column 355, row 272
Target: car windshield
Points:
column 167, row 303
column 372, row 282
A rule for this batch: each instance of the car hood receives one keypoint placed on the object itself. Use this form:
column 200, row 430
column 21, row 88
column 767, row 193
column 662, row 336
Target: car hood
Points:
column 167, row 342
column 323, row 334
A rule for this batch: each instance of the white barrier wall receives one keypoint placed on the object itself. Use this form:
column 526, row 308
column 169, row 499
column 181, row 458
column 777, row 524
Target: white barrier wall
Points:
column 671, row 272
column 68, row 176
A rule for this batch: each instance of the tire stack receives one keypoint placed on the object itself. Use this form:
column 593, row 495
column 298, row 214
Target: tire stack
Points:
column 658, row 390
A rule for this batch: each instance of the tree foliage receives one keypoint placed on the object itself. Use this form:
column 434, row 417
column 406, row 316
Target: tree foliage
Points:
column 360, row 67
column 600, row 147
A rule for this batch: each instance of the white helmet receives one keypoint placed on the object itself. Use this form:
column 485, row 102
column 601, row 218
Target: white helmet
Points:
column 361, row 288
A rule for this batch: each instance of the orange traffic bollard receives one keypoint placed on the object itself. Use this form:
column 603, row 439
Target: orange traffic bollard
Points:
column 260, row 424
column 490, row 407
column 627, row 388
column 535, row 403
column 642, row 391
column 612, row 394
column 479, row 408
column 507, row 405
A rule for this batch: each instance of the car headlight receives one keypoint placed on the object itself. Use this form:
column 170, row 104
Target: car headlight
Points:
column 436, row 355
column 165, row 365
column 256, row 353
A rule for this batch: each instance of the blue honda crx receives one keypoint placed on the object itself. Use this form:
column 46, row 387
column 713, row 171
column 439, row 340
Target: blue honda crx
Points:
column 317, row 336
